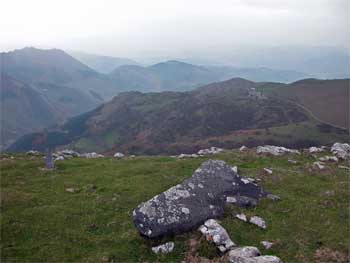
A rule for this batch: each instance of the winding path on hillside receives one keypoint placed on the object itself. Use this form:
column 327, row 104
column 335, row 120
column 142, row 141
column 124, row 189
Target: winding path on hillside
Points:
column 315, row 117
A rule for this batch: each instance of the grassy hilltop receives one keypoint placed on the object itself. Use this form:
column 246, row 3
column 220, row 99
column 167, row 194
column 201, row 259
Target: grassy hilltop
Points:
column 43, row 222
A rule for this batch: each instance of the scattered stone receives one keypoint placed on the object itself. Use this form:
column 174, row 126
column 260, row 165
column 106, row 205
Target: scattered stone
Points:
column 118, row 155
column 250, row 255
column 274, row 150
column 203, row 196
column 267, row 259
column 231, row 200
column 70, row 190
column 105, row 259
column 242, row 217
column 258, row 221
column 314, row 149
column 92, row 155
column 266, row 244
column 213, row 231
column 59, row 158
column 329, row 193
column 211, row 150
column 245, row 180
column 328, row 159
column 292, row 161
column 318, row 166
column 67, row 153
column 243, row 252
column 243, row 148
column 252, row 180
column 33, row 152
column 341, row 150
column 343, row 167
column 273, row 197
column 235, row 169
column 164, row 248
column 267, row 171
column 184, row 155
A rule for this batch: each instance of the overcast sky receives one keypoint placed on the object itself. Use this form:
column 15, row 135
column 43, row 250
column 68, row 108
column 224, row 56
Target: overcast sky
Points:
column 129, row 28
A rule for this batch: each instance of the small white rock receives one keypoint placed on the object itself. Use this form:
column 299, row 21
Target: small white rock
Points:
column 245, row 181
column 242, row 217
column 267, row 170
column 292, row 161
column 235, row 169
column 266, row 244
column 258, row 221
column 318, row 165
column 243, row 148
column 164, row 248
column 231, row 199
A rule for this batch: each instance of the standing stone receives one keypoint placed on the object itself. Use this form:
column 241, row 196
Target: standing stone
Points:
column 49, row 163
column 188, row 205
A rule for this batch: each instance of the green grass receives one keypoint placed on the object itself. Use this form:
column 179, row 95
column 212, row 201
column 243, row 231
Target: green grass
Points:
column 41, row 222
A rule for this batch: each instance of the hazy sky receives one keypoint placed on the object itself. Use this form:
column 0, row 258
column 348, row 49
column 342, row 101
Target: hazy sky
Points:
column 130, row 28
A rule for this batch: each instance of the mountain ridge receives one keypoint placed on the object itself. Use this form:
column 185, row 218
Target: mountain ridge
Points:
column 225, row 113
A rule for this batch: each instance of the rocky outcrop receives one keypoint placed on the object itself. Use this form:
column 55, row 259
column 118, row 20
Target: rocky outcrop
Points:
column 341, row 150
column 190, row 203
column 274, row 150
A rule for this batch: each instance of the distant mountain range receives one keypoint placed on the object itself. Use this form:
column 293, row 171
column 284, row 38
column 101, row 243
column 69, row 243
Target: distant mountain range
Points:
column 102, row 64
column 227, row 114
column 179, row 76
column 318, row 61
column 66, row 87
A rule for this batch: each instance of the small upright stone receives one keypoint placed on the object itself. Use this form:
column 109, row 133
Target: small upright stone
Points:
column 49, row 164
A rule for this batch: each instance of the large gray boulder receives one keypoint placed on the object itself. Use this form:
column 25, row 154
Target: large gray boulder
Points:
column 190, row 203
